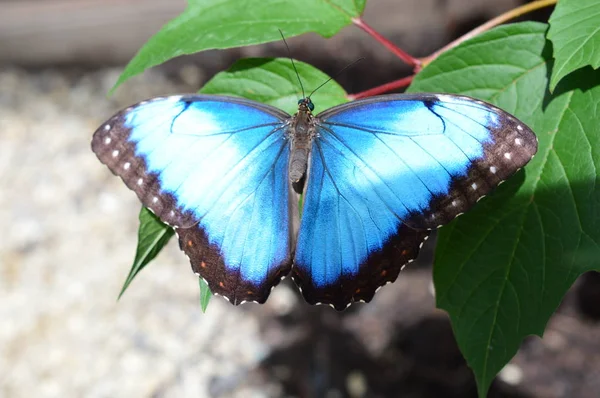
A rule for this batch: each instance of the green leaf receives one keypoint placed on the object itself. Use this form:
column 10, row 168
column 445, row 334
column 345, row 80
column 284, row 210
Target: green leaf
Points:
column 575, row 35
column 218, row 24
column 273, row 81
column 153, row 235
column 502, row 269
column 205, row 294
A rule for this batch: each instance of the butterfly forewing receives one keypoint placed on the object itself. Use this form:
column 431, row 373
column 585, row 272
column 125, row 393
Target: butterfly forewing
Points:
column 435, row 155
column 215, row 168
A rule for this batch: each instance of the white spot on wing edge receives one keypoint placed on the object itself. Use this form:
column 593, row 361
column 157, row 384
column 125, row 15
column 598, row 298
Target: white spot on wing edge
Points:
column 127, row 165
column 106, row 127
column 520, row 128
column 107, row 140
column 507, row 155
column 222, row 295
column 115, row 153
column 155, row 199
column 518, row 141
column 440, row 226
column 140, row 181
column 493, row 169
column 474, row 186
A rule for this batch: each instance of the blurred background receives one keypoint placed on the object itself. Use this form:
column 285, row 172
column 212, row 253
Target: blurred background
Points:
column 70, row 229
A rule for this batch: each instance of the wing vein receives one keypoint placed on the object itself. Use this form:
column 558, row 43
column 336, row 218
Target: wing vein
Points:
column 334, row 135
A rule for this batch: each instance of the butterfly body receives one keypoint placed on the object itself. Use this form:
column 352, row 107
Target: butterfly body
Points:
column 376, row 176
column 301, row 133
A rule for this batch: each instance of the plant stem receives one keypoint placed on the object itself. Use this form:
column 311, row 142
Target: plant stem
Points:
column 418, row 64
column 408, row 59
column 507, row 16
column 384, row 88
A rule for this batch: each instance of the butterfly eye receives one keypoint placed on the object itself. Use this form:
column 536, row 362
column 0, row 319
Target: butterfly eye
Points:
column 307, row 102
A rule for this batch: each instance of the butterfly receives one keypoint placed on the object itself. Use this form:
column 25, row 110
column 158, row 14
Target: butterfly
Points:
column 376, row 176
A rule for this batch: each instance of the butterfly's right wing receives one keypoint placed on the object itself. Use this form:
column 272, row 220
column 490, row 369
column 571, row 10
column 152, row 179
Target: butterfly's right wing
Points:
column 214, row 168
column 386, row 170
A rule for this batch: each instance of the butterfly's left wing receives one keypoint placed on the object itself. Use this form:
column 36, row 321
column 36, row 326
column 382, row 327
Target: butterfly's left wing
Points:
column 214, row 168
column 386, row 170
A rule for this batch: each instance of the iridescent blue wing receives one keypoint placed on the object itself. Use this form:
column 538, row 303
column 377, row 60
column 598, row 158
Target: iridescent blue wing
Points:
column 386, row 170
column 214, row 168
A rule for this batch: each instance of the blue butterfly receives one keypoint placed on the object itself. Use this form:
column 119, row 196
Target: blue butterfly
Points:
column 377, row 175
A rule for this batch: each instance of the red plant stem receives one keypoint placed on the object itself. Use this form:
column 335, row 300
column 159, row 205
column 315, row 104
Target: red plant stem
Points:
column 408, row 59
column 418, row 64
column 384, row 88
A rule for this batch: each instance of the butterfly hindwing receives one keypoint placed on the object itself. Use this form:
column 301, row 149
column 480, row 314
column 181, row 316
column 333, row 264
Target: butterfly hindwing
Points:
column 342, row 255
column 214, row 168
column 349, row 243
column 383, row 172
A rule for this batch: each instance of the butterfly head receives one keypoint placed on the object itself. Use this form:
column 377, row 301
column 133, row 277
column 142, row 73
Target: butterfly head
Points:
column 306, row 105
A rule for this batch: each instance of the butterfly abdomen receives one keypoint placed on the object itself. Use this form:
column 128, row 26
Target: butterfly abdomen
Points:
column 298, row 163
column 301, row 132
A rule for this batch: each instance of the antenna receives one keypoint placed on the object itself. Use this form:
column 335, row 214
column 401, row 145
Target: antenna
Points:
column 336, row 75
column 293, row 64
